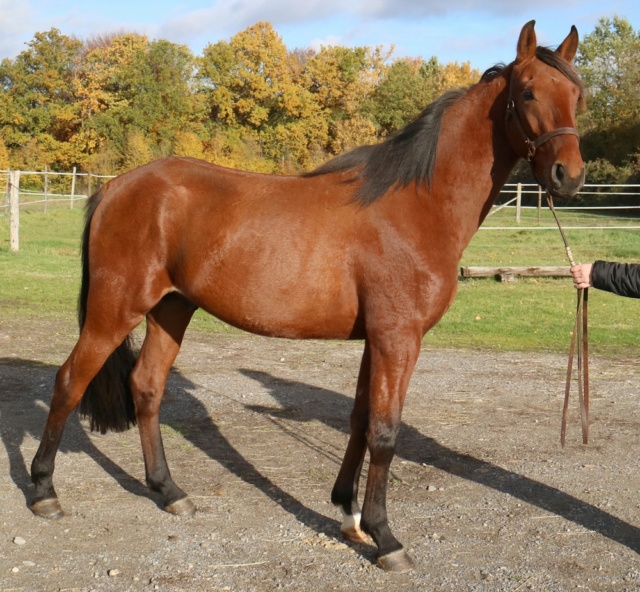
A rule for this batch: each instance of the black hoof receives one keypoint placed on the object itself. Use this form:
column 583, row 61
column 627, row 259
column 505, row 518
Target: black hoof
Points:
column 398, row 561
column 48, row 508
column 183, row 507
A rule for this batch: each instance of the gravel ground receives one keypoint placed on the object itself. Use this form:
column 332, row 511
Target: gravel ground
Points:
column 482, row 495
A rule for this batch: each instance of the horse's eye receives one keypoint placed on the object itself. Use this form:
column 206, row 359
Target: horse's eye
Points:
column 527, row 95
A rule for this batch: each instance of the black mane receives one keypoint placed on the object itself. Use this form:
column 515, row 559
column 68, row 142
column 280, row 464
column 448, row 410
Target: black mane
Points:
column 409, row 155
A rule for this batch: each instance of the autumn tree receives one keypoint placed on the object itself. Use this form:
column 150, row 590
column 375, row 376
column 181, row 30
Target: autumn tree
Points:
column 99, row 89
column 250, row 85
column 138, row 92
column 4, row 156
column 38, row 111
column 115, row 101
column 454, row 75
column 342, row 80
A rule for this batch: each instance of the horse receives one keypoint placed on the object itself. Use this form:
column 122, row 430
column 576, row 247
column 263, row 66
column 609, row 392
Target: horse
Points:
column 365, row 247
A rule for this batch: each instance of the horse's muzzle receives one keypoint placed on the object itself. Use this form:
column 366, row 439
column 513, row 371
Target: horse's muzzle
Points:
column 562, row 184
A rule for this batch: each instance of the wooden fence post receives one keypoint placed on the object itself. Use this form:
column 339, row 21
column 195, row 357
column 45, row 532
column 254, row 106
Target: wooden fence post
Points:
column 518, row 202
column 14, row 210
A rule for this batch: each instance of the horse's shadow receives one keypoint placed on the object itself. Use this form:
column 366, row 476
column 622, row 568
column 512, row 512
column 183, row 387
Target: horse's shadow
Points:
column 24, row 414
column 26, row 392
column 415, row 447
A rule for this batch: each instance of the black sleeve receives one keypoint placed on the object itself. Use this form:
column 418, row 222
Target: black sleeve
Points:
column 620, row 278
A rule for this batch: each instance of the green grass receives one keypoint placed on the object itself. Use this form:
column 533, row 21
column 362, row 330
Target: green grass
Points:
column 42, row 280
column 43, row 277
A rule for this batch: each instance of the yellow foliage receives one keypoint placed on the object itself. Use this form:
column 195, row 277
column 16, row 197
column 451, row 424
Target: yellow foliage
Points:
column 188, row 144
column 237, row 149
column 353, row 132
column 4, row 156
column 137, row 151
column 454, row 75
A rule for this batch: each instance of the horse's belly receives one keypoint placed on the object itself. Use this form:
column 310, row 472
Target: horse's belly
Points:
column 295, row 308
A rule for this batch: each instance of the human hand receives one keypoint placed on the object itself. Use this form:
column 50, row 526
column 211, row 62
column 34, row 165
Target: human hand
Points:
column 581, row 274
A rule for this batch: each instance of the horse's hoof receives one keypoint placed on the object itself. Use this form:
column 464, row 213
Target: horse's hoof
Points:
column 398, row 561
column 48, row 508
column 183, row 507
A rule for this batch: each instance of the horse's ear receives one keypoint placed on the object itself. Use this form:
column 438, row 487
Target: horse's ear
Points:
column 569, row 46
column 526, row 43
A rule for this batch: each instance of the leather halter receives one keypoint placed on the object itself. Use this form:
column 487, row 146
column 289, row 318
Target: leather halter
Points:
column 533, row 144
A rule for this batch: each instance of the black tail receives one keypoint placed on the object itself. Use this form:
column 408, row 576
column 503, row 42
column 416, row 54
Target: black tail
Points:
column 107, row 402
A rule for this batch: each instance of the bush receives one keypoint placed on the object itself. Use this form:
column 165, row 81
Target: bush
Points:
column 603, row 172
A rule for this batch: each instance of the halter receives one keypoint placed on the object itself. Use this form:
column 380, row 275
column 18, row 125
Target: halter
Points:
column 532, row 144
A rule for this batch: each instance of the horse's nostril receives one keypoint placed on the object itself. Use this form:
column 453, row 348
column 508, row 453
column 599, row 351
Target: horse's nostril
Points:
column 558, row 174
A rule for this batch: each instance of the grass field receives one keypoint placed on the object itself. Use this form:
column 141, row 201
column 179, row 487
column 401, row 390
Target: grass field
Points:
column 42, row 279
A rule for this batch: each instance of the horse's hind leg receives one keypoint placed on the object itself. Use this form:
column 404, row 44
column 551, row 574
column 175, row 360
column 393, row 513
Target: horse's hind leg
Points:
column 95, row 345
column 166, row 324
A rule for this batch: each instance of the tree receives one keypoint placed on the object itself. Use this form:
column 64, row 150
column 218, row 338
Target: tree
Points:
column 406, row 88
column 4, row 156
column 137, row 150
column 608, row 63
column 139, row 91
column 38, row 111
column 187, row 143
column 342, row 81
column 251, row 86
column 454, row 75
column 104, row 105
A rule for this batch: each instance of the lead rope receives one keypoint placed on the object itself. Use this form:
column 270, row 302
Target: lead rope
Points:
column 580, row 334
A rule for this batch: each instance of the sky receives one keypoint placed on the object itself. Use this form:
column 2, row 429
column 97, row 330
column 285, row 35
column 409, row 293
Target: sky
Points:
column 451, row 30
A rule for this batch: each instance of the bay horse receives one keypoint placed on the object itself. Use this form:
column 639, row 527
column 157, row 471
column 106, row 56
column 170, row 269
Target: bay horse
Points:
column 366, row 247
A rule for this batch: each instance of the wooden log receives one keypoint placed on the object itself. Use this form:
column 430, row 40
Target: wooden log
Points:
column 507, row 274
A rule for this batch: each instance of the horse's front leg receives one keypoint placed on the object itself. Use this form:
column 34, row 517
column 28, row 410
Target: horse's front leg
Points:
column 345, row 490
column 392, row 363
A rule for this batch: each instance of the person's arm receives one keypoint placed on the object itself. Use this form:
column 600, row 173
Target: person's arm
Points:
column 619, row 278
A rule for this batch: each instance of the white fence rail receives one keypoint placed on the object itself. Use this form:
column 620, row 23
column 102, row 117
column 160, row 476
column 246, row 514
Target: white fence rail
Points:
column 520, row 190
column 50, row 188
column 42, row 188
column 21, row 189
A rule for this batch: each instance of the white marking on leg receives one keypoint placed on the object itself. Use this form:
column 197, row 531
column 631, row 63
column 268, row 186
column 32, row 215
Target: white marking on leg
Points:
column 350, row 522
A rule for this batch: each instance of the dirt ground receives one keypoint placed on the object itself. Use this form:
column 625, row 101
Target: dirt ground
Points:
column 482, row 495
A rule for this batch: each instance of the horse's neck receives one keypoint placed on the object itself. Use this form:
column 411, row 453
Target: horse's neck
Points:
column 474, row 159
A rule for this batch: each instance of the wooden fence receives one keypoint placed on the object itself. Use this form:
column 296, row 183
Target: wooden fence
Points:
column 47, row 189
column 44, row 189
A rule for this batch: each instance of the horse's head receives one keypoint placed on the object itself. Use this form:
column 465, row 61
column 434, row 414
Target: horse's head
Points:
column 545, row 94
